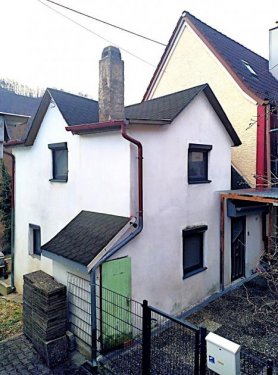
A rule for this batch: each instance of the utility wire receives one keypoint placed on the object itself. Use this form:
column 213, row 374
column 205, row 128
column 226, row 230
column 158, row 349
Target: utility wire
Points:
column 107, row 23
column 99, row 36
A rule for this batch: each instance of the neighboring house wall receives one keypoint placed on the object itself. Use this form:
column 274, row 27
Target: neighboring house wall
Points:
column 192, row 63
column 96, row 182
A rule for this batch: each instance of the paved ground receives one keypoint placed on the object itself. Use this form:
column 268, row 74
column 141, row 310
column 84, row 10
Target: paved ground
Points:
column 17, row 356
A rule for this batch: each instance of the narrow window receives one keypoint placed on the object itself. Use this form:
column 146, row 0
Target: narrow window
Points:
column 198, row 163
column 59, row 161
column 34, row 239
column 193, row 248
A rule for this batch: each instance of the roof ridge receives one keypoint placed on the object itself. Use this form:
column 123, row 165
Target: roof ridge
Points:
column 69, row 93
column 219, row 32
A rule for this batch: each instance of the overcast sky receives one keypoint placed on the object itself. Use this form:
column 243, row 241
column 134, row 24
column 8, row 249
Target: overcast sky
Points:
column 40, row 48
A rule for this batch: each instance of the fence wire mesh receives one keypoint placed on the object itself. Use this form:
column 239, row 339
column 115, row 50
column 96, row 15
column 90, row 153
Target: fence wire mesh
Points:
column 119, row 332
column 174, row 346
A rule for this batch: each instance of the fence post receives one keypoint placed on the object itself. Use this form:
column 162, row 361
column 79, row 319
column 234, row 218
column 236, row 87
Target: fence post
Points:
column 146, row 350
column 197, row 353
column 203, row 350
column 269, row 370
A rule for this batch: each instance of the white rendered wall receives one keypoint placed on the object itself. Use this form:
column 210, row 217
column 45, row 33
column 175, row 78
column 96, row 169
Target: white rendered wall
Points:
column 98, row 180
column 170, row 205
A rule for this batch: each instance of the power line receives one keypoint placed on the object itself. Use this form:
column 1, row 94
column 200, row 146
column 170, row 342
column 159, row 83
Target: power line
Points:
column 107, row 23
column 99, row 36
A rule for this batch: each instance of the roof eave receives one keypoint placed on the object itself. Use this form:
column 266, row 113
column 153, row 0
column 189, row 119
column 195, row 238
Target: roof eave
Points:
column 38, row 118
column 100, row 127
column 163, row 58
column 222, row 115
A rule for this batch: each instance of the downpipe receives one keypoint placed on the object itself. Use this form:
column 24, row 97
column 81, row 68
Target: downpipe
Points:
column 138, row 228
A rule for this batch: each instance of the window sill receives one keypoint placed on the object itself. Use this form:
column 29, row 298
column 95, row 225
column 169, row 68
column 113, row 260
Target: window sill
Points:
column 192, row 273
column 199, row 182
column 58, row 180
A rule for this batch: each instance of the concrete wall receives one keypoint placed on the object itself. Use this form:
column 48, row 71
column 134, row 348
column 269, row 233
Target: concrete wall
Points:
column 192, row 63
column 96, row 182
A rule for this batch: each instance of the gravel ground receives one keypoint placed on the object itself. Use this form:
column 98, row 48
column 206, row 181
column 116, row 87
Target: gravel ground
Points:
column 230, row 316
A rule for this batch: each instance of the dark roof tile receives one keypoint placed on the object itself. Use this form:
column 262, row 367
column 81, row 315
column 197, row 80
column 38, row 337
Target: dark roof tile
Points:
column 85, row 236
column 264, row 84
column 75, row 109
column 163, row 108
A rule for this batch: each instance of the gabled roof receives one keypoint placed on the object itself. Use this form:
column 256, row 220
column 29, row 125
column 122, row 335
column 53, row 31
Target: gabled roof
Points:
column 232, row 55
column 13, row 103
column 78, row 110
column 168, row 107
column 74, row 109
column 85, row 236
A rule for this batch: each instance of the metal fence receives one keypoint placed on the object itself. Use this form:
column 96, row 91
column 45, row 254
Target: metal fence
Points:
column 119, row 332
column 136, row 339
column 172, row 346
column 139, row 339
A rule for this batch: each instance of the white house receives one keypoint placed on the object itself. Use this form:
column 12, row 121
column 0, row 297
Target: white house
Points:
column 81, row 190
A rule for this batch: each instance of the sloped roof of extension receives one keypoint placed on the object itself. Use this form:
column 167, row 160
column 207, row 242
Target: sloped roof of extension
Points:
column 78, row 110
column 85, row 236
column 234, row 56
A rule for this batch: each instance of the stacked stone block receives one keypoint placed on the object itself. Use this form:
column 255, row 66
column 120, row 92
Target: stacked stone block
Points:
column 44, row 316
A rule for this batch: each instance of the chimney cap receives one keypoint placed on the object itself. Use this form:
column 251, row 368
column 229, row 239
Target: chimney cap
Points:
column 111, row 51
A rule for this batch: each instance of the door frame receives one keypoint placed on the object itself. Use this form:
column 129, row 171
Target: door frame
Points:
column 238, row 265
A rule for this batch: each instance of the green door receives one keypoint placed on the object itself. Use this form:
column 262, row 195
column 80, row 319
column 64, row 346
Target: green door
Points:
column 115, row 303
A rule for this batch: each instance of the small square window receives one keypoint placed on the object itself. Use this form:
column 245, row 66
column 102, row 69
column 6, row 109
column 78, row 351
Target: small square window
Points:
column 34, row 239
column 193, row 244
column 59, row 161
column 198, row 163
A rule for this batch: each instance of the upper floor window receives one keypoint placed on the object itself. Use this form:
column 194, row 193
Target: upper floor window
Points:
column 34, row 239
column 59, row 161
column 198, row 163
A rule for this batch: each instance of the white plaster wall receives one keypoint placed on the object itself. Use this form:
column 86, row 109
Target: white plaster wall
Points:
column 170, row 204
column 98, row 180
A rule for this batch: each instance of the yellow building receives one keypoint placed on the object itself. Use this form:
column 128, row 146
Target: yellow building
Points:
column 241, row 80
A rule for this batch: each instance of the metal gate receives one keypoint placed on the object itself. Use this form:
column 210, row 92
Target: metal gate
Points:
column 79, row 311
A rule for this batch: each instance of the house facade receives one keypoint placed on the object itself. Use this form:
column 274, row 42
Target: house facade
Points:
column 245, row 84
column 133, row 201
column 186, row 141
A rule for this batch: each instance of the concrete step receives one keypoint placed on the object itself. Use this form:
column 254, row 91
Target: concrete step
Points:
column 5, row 286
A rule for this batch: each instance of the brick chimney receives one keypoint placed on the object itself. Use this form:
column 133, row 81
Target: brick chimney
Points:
column 273, row 51
column 111, row 85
